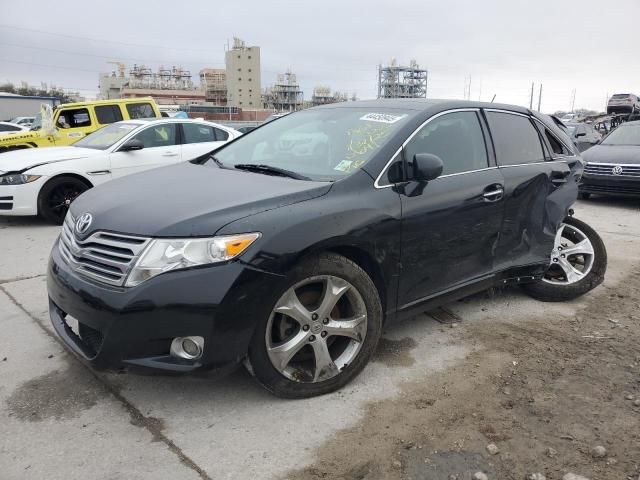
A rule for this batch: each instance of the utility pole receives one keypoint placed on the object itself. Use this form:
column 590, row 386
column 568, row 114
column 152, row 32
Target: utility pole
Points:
column 480, row 93
column 531, row 100
column 573, row 100
column 540, row 98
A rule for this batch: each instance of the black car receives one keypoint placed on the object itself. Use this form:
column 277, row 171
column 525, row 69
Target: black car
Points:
column 289, row 248
column 613, row 166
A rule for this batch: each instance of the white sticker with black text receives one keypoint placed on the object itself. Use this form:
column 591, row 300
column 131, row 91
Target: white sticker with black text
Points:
column 382, row 117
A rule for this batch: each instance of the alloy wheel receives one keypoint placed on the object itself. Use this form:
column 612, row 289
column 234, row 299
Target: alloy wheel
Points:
column 572, row 256
column 316, row 329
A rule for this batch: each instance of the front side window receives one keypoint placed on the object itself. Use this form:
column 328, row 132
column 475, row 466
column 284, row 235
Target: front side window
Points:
column 140, row 110
column 322, row 144
column 106, row 136
column 107, row 114
column 197, row 133
column 456, row 138
column 515, row 139
column 158, row 136
column 75, row 118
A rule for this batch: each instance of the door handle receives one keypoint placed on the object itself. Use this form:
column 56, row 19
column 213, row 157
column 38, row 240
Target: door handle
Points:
column 493, row 193
column 169, row 154
column 559, row 178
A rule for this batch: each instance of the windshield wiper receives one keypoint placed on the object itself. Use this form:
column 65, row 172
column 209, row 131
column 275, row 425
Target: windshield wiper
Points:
column 268, row 169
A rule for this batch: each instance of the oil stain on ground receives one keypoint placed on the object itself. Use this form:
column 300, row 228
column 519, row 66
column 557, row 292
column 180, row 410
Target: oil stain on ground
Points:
column 60, row 394
column 395, row 353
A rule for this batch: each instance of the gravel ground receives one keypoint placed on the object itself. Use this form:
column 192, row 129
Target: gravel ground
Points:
column 544, row 383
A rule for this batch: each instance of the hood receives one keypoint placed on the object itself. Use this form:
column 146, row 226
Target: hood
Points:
column 188, row 200
column 19, row 137
column 21, row 160
column 624, row 154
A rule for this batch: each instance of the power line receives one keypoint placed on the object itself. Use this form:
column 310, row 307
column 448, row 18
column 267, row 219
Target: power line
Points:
column 101, row 40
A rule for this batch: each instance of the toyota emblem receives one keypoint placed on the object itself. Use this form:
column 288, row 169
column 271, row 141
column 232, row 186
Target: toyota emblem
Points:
column 617, row 170
column 83, row 223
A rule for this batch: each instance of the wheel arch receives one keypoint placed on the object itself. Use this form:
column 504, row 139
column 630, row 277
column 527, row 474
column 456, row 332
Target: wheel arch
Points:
column 358, row 254
column 77, row 176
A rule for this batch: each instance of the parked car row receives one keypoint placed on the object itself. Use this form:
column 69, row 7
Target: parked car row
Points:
column 289, row 247
column 45, row 181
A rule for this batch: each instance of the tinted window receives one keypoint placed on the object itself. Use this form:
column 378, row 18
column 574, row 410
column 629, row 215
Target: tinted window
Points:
column 8, row 128
column 221, row 134
column 456, row 138
column 140, row 110
column 557, row 147
column 515, row 139
column 75, row 118
column 107, row 114
column 198, row 133
column 158, row 136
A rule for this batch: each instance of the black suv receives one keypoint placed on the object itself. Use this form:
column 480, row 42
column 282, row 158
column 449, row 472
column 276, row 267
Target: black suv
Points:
column 289, row 248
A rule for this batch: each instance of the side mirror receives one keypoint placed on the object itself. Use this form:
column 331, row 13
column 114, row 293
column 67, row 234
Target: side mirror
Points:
column 426, row 167
column 583, row 134
column 133, row 144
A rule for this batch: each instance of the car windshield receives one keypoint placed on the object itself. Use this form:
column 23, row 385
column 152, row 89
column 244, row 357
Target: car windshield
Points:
column 322, row 144
column 106, row 136
column 624, row 135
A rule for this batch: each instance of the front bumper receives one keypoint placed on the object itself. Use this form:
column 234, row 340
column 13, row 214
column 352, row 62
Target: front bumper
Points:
column 20, row 199
column 610, row 185
column 135, row 326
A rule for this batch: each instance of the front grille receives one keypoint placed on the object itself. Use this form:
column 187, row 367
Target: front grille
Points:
column 104, row 256
column 607, row 169
column 611, row 189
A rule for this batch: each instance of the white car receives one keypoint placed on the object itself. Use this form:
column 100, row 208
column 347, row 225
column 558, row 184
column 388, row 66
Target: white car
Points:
column 44, row 181
column 23, row 121
column 9, row 127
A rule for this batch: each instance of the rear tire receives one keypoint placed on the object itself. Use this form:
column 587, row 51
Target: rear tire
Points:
column 318, row 338
column 555, row 288
column 57, row 195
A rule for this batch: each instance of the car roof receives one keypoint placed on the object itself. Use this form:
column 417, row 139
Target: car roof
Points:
column 423, row 104
column 147, row 121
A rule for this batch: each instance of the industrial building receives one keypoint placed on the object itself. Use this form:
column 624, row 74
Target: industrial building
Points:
column 395, row 81
column 285, row 95
column 213, row 81
column 322, row 95
column 243, row 75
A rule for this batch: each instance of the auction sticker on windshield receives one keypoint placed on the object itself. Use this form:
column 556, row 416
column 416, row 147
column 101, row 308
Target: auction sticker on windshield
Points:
column 382, row 117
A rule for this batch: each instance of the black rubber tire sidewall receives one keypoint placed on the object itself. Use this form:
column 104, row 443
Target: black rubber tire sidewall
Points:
column 324, row 264
column 547, row 292
column 47, row 189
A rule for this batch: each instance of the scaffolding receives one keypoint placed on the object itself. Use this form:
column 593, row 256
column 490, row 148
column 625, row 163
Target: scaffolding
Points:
column 396, row 81
column 322, row 95
column 174, row 78
column 214, row 83
column 285, row 95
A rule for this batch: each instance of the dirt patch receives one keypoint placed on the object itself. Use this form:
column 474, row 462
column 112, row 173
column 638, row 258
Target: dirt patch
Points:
column 395, row 353
column 60, row 394
column 545, row 390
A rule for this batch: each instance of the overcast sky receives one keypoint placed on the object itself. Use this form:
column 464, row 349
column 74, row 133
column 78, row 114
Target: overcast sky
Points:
column 504, row 45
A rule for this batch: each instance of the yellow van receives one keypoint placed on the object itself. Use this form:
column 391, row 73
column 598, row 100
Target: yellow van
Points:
column 70, row 122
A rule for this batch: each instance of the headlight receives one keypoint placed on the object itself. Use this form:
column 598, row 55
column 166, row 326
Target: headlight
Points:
column 17, row 178
column 163, row 255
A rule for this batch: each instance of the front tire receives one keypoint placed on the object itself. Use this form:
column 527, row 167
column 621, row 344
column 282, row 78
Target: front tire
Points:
column 578, row 264
column 321, row 331
column 57, row 195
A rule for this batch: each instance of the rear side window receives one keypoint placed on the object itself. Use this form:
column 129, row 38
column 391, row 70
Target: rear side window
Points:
column 197, row 133
column 221, row 135
column 456, row 138
column 140, row 110
column 557, row 147
column 106, row 114
column 78, row 117
column 8, row 128
column 515, row 138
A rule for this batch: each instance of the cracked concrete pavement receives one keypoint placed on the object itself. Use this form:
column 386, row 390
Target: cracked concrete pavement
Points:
column 61, row 420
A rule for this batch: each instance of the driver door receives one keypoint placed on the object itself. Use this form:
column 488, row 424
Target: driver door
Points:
column 160, row 148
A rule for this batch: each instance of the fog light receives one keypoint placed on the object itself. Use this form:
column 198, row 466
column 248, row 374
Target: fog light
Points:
column 189, row 348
